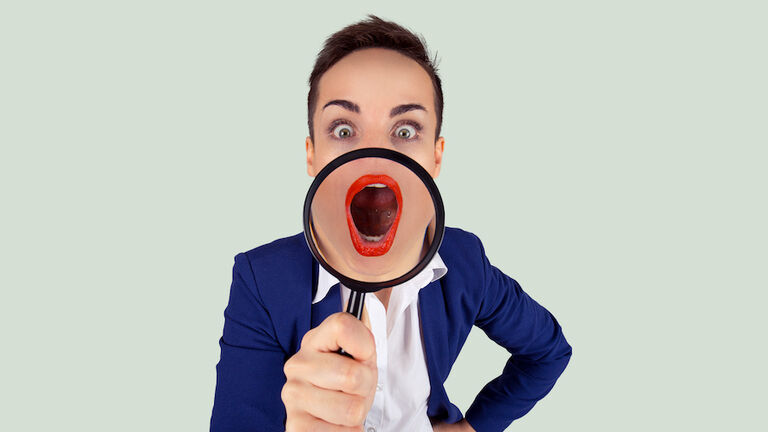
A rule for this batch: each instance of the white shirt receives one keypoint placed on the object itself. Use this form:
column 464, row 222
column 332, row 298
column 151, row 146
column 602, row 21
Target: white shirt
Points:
column 403, row 388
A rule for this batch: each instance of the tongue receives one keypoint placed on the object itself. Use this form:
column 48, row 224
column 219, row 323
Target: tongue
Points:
column 373, row 210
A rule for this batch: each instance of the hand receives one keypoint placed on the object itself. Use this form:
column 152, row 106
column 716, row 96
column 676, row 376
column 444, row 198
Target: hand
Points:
column 325, row 391
column 460, row 426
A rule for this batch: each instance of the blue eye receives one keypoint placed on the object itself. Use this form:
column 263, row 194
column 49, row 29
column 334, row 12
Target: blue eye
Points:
column 342, row 131
column 405, row 132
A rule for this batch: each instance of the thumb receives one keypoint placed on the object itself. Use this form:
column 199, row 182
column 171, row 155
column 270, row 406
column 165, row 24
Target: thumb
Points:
column 366, row 319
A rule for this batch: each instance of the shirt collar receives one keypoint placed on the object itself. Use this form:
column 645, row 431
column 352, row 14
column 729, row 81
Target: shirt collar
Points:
column 434, row 271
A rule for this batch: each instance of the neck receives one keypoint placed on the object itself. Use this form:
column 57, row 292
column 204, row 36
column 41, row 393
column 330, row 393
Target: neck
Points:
column 383, row 296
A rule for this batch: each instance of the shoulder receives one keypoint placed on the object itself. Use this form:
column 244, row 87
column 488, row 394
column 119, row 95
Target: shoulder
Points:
column 278, row 254
column 280, row 276
column 464, row 256
column 282, row 270
column 459, row 244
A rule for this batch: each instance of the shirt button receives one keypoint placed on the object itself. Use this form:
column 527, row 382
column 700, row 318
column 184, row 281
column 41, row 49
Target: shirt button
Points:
column 378, row 388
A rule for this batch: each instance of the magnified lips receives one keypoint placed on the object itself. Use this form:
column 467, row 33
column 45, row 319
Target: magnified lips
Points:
column 374, row 206
column 373, row 210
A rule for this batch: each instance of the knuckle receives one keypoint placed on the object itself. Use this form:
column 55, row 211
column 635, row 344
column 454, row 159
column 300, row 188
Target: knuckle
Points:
column 374, row 376
column 305, row 340
column 290, row 366
column 290, row 424
column 336, row 322
column 296, row 424
column 352, row 377
column 288, row 394
column 355, row 412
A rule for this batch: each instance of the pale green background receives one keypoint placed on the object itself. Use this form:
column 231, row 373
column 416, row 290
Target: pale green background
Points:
column 611, row 155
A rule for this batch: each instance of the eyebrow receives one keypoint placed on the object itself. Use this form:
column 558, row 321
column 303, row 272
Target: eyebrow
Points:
column 351, row 106
column 400, row 109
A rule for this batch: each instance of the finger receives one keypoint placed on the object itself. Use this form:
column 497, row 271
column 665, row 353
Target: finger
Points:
column 341, row 330
column 331, row 406
column 334, row 372
column 302, row 421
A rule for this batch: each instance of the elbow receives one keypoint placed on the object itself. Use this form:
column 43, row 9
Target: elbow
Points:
column 560, row 354
column 564, row 355
column 551, row 362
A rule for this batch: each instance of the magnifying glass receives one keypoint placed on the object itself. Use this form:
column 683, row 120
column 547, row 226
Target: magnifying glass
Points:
column 374, row 219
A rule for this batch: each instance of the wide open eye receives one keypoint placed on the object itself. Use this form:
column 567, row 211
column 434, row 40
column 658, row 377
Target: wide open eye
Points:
column 405, row 132
column 342, row 131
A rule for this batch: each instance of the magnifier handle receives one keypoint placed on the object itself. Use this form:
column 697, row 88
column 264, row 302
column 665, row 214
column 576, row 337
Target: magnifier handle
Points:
column 354, row 307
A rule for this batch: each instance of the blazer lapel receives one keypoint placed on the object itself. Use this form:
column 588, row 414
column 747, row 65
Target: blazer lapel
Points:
column 433, row 327
column 327, row 306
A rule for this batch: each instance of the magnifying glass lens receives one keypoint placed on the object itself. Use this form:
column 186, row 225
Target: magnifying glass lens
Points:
column 372, row 219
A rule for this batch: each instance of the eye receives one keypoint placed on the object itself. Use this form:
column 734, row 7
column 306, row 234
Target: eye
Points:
column 342, row 131
column 405, row 131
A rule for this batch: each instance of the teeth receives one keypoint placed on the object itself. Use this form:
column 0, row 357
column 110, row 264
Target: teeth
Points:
column 377, row 185
column 371, row 238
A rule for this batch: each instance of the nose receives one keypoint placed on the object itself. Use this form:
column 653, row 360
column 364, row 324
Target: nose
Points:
column 380, row 139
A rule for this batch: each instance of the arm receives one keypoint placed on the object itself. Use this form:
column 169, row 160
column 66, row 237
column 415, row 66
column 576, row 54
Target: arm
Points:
column 532, row 335
column 249, row 376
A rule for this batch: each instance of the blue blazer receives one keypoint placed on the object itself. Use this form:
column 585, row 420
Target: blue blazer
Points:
column 270, row 308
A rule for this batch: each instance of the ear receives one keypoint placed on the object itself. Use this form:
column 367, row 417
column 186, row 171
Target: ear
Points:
column 439, row 147
column 310, row 157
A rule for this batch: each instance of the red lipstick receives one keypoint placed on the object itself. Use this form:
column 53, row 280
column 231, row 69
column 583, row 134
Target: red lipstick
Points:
column 369, row 205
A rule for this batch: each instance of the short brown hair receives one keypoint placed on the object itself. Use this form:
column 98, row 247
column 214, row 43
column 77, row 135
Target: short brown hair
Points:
column 373, row 33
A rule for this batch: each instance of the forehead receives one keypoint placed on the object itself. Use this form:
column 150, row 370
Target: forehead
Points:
column 377, row 78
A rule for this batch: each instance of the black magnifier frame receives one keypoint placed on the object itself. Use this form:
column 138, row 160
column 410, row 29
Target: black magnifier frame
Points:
column 424, row 176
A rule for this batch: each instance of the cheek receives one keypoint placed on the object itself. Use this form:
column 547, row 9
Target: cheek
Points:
column 325, row 152
column 425, row 156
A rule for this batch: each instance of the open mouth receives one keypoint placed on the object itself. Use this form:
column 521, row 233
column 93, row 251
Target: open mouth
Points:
column 374, row 205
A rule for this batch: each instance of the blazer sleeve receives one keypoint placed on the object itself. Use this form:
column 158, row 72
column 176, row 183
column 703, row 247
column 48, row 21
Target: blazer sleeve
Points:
column 533, row 337
column 249, row 375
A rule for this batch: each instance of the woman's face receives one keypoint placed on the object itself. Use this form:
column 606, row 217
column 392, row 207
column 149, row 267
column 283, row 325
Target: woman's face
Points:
column 371, row 214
